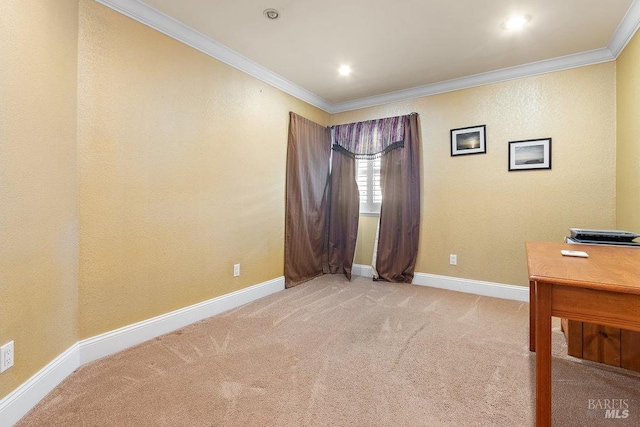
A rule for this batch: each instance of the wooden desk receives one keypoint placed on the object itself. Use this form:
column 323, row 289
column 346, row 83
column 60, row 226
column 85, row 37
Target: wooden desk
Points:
column 603, row 289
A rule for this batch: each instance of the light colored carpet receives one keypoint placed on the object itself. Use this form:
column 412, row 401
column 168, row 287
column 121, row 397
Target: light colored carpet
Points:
column 335, row 353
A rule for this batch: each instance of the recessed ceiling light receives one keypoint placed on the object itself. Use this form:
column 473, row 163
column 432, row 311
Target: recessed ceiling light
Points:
column 271, row 13
column 344, row 70
column 516, row 22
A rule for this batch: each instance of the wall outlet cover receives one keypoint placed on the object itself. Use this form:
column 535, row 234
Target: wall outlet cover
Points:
column 6, row 356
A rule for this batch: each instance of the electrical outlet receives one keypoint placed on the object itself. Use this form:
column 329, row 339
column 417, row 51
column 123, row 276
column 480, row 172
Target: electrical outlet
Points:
column 6, row 356
column 453, row 259
column 236, row 270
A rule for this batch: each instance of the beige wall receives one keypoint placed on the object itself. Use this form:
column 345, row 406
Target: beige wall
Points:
column 473, row 207
column 135, row 171
column 38, row 183
column 367, row 227
column 182, row 172
column 628, row 156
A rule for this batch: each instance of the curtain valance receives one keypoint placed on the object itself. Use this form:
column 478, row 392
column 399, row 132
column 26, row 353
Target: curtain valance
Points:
column 370, row 139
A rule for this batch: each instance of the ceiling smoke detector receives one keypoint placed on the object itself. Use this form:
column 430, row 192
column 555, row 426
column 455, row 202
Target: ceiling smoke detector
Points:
column 271, row 13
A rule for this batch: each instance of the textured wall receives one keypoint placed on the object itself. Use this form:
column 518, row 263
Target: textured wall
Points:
column 628, row 155
column 473, row 207
column 367, row 227
column 182, row 171
column 38, row 183
column 181, row 165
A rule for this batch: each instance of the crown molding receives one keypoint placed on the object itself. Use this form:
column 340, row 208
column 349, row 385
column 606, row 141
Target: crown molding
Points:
column 520, row 71
column 627, row 28
column 157, row 20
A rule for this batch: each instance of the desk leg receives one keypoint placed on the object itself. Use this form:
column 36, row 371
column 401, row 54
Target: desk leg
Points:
column 543, row 354
column 532, row 315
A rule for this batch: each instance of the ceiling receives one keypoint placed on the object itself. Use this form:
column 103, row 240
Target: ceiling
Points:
column 397, row 49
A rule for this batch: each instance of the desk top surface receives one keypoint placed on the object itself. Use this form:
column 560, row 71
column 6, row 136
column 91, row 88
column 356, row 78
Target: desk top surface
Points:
column 611, row 268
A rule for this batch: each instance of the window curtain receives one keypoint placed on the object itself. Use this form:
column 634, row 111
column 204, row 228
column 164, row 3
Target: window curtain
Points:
column 360, row 140
column 344, row 213
column 307, row 200
column 397, row 243
column 397, row 141
column 369, row 139
column 322, row 204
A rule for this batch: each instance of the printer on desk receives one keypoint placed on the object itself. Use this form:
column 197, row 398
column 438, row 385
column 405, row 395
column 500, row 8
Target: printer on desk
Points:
column 602, row 237
column 587, row 340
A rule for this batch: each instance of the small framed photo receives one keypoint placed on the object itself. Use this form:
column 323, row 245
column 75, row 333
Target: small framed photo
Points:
column 530, row 154
column 470, row 140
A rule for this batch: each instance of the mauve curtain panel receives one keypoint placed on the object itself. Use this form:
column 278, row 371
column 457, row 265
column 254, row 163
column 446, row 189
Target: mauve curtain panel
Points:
column 344, row 213
column 400, row 210
column 307, row 198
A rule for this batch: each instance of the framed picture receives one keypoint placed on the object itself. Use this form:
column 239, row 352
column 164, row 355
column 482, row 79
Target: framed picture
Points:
column 470, row 140
column 530, row 154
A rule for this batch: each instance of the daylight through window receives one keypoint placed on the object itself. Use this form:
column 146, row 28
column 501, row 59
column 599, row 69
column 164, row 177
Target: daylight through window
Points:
column 368, row 178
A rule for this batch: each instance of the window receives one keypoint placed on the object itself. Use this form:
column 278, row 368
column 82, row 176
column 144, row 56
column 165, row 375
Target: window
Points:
column 368, row 178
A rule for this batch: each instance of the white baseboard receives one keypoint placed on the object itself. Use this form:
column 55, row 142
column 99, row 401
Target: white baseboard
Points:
column 114, row 341
column 362, row 270
column 20, row 401
column 16, row 404
column 477, row 287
